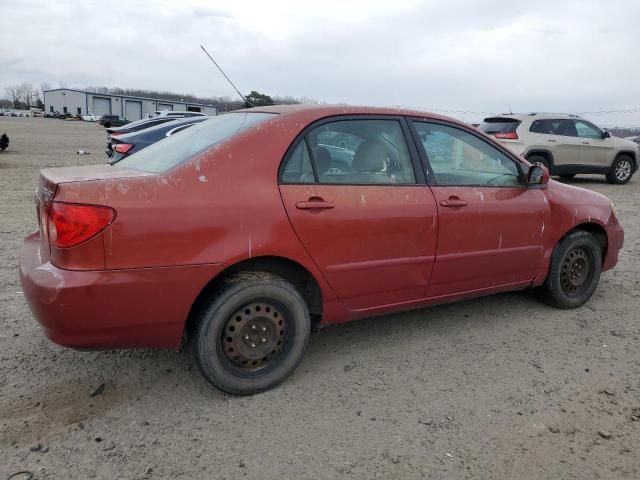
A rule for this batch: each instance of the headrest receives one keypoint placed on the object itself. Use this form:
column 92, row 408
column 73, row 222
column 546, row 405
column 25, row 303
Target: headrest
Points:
column 370, row 157
column 323, row 159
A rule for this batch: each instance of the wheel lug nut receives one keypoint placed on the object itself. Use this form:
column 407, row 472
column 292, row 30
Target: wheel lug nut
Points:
column 246, row 337
column 263, row 340
column 253, row 327
column 253, row 345
column 264, row 329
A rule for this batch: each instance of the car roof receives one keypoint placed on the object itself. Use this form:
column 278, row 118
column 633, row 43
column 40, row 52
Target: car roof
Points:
column 166, row 125
column 318, row 111
column 135, row 123
column 532, row 116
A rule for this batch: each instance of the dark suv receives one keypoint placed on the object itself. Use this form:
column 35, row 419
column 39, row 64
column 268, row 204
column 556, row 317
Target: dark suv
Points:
column 112, row 121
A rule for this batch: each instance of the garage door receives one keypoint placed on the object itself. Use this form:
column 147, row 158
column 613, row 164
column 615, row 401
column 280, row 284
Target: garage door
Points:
column 101, row 106
column 165, row 106
column 132, row 110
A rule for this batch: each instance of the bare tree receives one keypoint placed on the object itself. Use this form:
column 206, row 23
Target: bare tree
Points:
column 27, row 94
column 14, row 95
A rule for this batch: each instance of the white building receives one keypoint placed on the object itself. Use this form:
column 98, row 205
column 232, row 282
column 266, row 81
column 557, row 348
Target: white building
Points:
column 66, row 100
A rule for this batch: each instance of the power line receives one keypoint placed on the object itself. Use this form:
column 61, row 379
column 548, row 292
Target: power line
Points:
column 482, row 112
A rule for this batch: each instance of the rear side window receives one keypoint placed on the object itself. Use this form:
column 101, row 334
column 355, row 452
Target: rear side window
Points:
column 176, row 149
column 356, row 152
column 542, row 126
column 298, row 168
column 554, row 126
column 499, row 125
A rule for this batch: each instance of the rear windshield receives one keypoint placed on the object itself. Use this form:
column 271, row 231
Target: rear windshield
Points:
column 142, row 124
column 174, row 150
column 499, row 125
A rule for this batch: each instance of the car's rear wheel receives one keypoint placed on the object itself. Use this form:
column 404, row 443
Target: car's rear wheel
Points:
column 574, row 271
column 253, row 333
column 540, row 159
column 621, row 170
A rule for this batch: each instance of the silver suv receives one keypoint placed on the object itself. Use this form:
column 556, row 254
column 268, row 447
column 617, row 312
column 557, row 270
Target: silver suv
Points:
column 565, row 144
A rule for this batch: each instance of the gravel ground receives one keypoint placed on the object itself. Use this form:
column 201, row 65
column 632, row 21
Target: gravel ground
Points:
column 501, row 387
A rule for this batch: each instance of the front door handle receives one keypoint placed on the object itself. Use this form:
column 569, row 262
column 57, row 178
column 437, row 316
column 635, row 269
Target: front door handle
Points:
column 552, row 141
column 453, row 202
column 586, row 143
column 315, row 203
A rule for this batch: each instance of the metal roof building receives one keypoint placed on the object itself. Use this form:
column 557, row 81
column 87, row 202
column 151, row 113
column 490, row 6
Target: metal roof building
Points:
column 67, row 100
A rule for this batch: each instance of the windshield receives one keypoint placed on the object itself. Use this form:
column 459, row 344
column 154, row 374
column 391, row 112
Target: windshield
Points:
column 174, row 150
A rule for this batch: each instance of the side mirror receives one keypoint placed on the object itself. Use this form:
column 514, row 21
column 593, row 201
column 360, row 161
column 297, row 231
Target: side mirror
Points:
column 538, row 175
column 606, row 135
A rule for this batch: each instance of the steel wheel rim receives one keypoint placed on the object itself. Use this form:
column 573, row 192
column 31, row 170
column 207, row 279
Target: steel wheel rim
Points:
column 576, row 271
column 254, row 336
column 623, row 169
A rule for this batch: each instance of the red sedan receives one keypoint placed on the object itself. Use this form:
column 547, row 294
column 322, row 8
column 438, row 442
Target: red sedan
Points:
column 242, row 233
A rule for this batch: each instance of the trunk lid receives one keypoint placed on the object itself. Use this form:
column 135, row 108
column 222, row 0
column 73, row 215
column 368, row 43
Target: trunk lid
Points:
column 50, row 178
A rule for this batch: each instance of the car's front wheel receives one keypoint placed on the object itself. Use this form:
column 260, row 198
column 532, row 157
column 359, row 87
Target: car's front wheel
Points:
column 574, row 271
column 252, row 335
column 621, row 170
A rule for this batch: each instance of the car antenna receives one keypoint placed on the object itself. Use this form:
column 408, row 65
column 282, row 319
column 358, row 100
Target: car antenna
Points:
column 510, row 112
column 244, row 99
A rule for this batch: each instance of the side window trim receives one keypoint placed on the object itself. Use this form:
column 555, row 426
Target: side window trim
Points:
column 414, row 153
column 431, row 180
column 312, row 159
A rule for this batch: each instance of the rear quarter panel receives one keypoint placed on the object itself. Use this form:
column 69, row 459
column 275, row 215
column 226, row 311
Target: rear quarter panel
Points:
column 222, row 206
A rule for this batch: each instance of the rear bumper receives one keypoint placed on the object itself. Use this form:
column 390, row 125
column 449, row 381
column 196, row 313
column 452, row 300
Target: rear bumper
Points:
column 145, row 307
column 615, row 241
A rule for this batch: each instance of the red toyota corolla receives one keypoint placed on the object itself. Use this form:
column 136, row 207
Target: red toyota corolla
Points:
column 243, row 232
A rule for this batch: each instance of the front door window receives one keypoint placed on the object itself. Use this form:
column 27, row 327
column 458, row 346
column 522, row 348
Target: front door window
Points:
column 587, row 130
column 460, row 158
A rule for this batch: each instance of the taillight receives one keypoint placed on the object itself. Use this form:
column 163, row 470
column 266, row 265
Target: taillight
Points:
column 115, row 134
column 70, row 224
column 122, row 147
column 507, row 135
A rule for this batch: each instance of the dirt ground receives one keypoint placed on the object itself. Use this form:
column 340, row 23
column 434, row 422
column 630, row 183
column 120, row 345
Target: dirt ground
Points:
column 497, row 388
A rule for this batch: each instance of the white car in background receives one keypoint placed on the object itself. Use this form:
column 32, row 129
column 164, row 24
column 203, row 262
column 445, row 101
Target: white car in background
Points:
column 91, row 118
column 566, row 144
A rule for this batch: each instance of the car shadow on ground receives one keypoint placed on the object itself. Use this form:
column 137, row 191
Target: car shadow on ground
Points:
column 160, row 368
column 96, row 385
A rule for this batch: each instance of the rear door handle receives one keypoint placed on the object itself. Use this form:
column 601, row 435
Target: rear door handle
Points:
column 552, row 141
column 453, row 202
column 315, row 205
column 586, row 143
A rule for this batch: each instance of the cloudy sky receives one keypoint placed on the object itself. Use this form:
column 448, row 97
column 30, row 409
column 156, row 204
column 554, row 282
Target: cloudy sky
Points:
column 456, row 55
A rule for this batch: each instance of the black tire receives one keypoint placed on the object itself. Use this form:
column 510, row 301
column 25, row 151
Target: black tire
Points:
column 621, row 170
column 540, row 159
column 574, row 271
column 107, row 124
column 251, row 299
column 567, row 175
